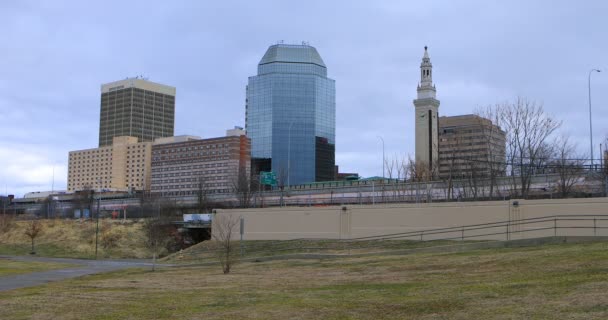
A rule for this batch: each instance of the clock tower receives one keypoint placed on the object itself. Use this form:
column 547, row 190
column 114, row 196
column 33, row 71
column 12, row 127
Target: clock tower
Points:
column 427, row 117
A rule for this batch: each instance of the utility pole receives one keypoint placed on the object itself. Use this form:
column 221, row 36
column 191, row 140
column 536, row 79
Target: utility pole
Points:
column 383, row 159
column 590, row 123
column 97, row 227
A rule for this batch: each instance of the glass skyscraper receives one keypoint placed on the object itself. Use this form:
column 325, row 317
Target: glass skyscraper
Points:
column 291, row 115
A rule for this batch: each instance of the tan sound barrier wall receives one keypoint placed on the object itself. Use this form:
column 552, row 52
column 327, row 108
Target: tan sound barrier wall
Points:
column 356, row 221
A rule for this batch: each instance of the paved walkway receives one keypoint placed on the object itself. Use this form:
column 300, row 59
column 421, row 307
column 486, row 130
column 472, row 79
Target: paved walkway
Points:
column 83, row 267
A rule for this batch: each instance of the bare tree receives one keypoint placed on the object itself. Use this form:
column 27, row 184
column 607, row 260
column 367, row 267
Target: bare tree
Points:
column 202, row 192
column 395, row 172
column 223, row 229
column 402, row 171
column 468, row 178
column 401, row 167
column 528, row 130
column 567, row 164
column 159, row 235
column 243, row 187
column 389, row 164
column 419, row 173
column 454, row 164
column 32, row 230
column 492, row 135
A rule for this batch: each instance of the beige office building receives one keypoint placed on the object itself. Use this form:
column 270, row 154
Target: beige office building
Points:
column 124, row 165
column 470, row 145
column 182, row 166
column 136, row 107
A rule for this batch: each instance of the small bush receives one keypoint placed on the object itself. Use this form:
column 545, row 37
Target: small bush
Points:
column 87, row 232
column 109, row 239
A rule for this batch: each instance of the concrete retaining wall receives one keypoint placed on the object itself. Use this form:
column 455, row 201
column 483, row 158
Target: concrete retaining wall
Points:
column 355, row 221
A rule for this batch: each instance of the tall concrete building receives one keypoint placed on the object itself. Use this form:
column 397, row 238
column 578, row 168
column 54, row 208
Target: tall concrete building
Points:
column 427, row 109
column 124, row 165
column 138, row 108
column 470, row 145
column 291, row 115
column 185, row 165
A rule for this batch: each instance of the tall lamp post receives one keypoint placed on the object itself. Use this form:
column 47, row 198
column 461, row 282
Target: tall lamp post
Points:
column 383, row 159
column 590, row 123
column 97, row 218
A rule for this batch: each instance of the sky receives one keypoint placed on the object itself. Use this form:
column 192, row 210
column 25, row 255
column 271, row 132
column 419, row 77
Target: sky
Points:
column 54, row 56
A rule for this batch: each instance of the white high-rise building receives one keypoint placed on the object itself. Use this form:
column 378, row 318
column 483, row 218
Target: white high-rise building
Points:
column 427, row 108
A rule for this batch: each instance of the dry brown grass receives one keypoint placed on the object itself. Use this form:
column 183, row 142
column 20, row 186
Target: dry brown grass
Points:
column 548, row 282
column 76, row 238
column 6, row 223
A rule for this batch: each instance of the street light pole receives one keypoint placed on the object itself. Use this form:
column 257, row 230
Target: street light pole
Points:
column 383, row 159
column 97, row 218
column 590, row 123
column 97, row 227
column 601, row 158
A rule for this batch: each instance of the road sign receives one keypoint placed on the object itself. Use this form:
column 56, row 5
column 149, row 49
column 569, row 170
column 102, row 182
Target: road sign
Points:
column 268, row 178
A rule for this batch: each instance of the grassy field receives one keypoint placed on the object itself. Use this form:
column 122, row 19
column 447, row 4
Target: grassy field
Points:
column 547, row 282
column 76, row 239
column 206, row 250
column 12, row 267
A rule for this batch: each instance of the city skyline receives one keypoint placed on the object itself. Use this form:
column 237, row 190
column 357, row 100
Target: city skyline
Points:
column 55, row 58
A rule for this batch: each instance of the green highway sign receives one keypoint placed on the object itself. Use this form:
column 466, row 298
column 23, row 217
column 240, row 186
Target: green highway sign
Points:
column 268, row 178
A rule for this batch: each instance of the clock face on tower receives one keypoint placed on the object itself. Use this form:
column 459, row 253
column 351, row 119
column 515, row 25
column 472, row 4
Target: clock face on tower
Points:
column 422, row 115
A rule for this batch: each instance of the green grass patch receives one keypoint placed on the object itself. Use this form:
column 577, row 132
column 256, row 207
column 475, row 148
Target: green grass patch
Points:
column 44, row 250
column 206, row 250
column 10, row 267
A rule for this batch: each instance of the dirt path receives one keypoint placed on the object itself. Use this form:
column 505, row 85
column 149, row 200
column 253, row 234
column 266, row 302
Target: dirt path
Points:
column 85, row 267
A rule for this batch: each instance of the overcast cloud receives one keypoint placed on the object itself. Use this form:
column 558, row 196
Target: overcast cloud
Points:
column 54, row 55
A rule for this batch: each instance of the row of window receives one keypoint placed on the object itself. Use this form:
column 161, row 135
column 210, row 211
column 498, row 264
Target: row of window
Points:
column 159, row 162
column 157, row 181
column 189, row 186
column 191, row 167
column 190, row 155
column 185, row 149
column 189, row 173
column 191, row 193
